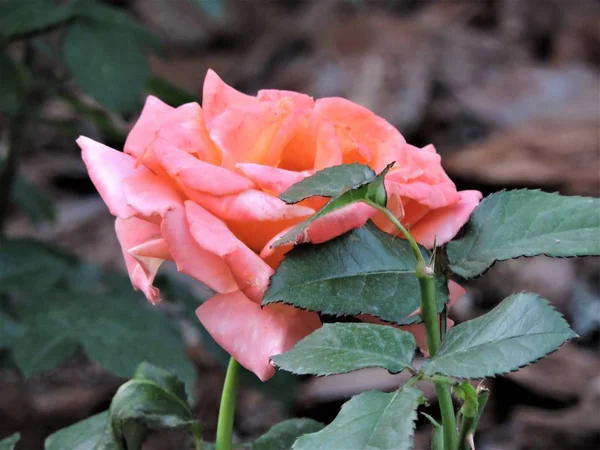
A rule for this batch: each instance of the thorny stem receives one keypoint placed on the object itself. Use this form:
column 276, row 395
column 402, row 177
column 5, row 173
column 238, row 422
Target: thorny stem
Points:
column 227, row 407
column 426, row 276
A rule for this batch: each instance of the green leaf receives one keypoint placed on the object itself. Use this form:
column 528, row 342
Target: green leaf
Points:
column 511, row 224
column 520, row 330
column 329, row 182
column 372, row 191
column 10, row 330
column 108, row 64
column 37, row 204
column 283, row 435
column 29, row 266
column 84, row 435
column 9, row 442
column 116, row 331
column 115, row 18
column 20, row 17
column 344, row 347
column 372, row 420
column 12, row 89
column 152, row 399
column 365, row 271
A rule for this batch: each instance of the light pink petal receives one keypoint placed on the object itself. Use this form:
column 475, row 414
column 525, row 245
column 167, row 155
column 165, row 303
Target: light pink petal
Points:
column 251, row 273
column 442, row 224
column 133, row 233
column 193, row 259
column 184, row 129
column 150, row 195
column 143, row 132
column 199, row 175
column 274, row 255
column 275, row 95
column 337, row 223
column 270, row 178
column 329, row 150
column 218, row 97
column 107, row 169
column 430, row 195
column 251, row 206
column 371, row 132
column 251, row 334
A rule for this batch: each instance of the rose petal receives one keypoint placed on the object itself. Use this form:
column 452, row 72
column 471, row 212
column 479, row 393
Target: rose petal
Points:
column 144, row 131
column 329, row 150
column 272, row 179
column 107, row 169
column 251, row 273
column 193, row 259
column 251, row 334
column 367, row 129
column 149, row 195
column 218, row 96
column 133, row 233
column 184, row 129
column 199, row 175
column 252, row 206
column 275, row 95
column 246, row 129
column 337, row 223
column 442, row 224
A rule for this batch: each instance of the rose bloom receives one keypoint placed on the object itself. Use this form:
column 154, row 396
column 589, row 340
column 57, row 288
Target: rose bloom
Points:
column 199, row 186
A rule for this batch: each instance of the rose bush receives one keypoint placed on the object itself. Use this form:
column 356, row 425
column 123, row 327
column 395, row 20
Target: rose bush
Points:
column 198, row 186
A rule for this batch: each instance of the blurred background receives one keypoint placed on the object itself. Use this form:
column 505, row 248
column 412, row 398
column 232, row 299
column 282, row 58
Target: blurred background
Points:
column 507, row 90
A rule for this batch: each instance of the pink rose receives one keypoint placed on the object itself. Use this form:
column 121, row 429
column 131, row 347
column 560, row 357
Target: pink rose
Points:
column 198, row 186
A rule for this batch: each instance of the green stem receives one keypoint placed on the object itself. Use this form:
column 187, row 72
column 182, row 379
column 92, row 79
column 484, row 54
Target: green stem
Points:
column 227, row 408
column 426, row 277
column 469, row 424
column 404, row 231
column 429, row 316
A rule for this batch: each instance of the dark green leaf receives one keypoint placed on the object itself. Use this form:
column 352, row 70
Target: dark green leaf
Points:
column 115, row 18
column 329, row 182
column 372, row 191
column 108, row 64
column 84, row 435
column 12, row 89
column 29, row 266
column 153, row 399
column 283, row 435
column 344, row 347
column 9, row 330
column 19, row 17
column 365, row 271
column 520, row 330
column 372, row 420
column 117, row 331
column 169, row 93
column 510, row 224
column 43, row 345
column 37, row 204
column 9, row 442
